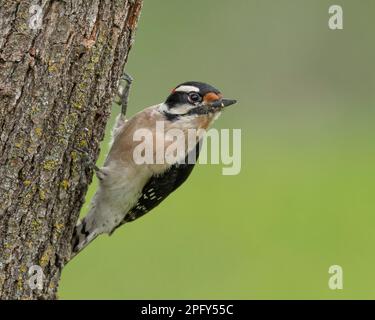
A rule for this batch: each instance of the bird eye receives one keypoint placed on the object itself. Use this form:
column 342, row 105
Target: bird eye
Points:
column 195, row 97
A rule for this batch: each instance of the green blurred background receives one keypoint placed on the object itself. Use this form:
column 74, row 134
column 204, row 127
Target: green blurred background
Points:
column 304, row 199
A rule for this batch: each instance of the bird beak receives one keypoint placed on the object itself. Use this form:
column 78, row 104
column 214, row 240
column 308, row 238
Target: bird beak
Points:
column 222, row 103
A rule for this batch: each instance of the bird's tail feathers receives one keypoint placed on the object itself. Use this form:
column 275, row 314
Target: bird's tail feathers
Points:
column 81, row 237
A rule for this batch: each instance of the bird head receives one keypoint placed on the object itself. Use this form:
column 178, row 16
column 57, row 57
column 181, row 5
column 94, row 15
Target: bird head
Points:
column 195, row 99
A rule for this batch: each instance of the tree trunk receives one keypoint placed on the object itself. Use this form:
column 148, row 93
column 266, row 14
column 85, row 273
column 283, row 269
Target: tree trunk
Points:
column 58, row 76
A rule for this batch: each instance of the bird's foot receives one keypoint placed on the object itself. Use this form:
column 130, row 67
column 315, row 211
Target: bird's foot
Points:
column 123, row 92
column 89, row 163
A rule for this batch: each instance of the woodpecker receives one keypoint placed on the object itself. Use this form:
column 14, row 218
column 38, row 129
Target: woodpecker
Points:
column 128, row 190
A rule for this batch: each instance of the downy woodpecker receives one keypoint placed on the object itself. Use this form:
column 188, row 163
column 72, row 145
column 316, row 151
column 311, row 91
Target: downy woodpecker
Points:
column 128, row 190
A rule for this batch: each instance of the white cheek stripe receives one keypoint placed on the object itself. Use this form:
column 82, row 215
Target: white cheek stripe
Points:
column 178, row 110
column 187, row 89
column 182, row 109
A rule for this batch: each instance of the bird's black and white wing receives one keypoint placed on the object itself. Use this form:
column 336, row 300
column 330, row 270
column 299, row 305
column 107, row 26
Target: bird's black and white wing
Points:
column 160, row 187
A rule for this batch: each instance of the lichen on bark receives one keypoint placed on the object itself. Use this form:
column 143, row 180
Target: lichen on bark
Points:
column 57, row 84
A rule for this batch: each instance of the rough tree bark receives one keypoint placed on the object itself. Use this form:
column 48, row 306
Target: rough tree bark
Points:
column 56, row 88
